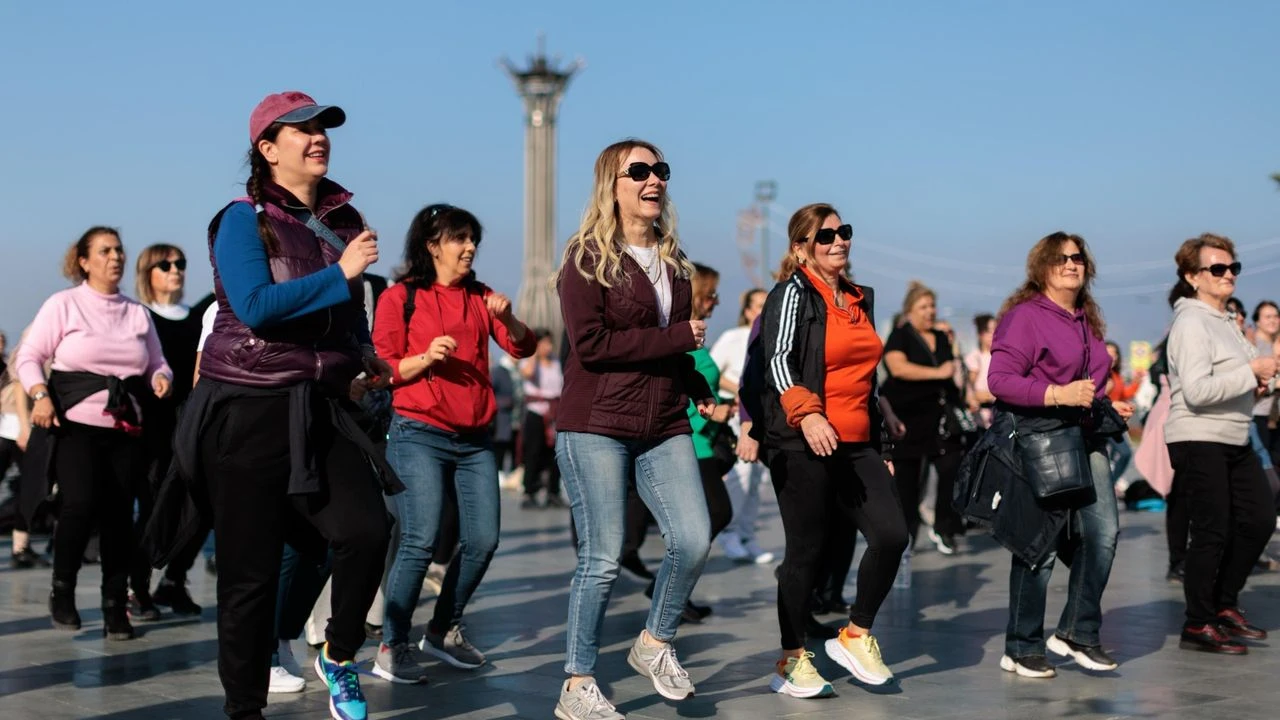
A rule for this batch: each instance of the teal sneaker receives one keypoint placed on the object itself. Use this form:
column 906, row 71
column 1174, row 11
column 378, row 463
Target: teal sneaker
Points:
column 346, row 701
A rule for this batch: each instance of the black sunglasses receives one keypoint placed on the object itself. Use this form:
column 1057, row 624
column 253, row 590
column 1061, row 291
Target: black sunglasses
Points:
column 164, row 265
column 1220, row 269
column 826, row 236
column 639, row 171
column 1077, row 258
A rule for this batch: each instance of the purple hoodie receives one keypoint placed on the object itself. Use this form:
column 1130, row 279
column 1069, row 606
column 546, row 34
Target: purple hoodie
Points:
column 1038, row 344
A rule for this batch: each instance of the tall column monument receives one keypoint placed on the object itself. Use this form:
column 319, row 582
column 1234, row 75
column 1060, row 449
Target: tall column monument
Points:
column 541, row 86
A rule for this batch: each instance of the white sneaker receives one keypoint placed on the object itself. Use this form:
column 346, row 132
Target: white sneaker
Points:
column 926, row 514
column 758, row 555
column 283, row 681
column 733, row 548
column 287, row 660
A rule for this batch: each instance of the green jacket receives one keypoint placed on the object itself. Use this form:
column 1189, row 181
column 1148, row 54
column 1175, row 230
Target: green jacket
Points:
column 704, row 431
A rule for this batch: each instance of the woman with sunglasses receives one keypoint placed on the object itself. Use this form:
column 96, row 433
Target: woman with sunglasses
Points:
column 626, row 297
column 821, row 428
column 1049, row 365
column 1214, row 378
column 434, row 327
column 267, row 431
column 160, row 276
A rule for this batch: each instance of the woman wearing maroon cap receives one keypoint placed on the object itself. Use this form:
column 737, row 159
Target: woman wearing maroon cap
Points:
column 266, row 432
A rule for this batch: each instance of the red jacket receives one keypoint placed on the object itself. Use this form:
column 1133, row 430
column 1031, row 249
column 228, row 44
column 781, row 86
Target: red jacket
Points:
column 625, row 376
column 456, row 395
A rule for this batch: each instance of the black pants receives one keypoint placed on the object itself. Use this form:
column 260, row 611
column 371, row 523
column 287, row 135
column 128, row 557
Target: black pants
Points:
column 856, row 481
column 11, row 455
column 245, row 461
column 718, row 505
column 837, row 556
column 1177, row 523
column 538, row 456
column 95, row 468
column 639, row 519
column 912, row 473
column 1232, row 518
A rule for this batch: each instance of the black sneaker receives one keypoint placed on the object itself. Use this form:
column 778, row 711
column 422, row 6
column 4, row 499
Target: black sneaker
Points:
column 1089, row 657
column 1029, row 666
column 829, row 605
column 62, row 606
column 701, row 610
column 817, row 631
column 635, row 566
column 115, row 620
column 26, row 558
column 142, row 608
column 1176, row 574
column 1210, row 638
column 689, row 615
column 176, row 598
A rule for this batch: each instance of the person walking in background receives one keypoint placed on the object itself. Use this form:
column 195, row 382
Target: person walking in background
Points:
column 1049, row 366
column 1214, row 374
column 1117, row 390
column 744, row 480
column 1266, row 412
column 434, row 326
column 543, row 381
column 978, row 363
column 15, row 430
column 626, row 297
column 86, row 416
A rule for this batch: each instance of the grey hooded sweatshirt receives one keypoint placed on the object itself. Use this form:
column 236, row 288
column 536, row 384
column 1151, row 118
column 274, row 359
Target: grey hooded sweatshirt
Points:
column 1211, row 383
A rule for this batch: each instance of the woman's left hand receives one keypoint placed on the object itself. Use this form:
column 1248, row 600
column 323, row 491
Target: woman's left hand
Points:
column 1124, row 409
column 161, row 386
column 706, row 406
column 499, row 307
column 897, row 428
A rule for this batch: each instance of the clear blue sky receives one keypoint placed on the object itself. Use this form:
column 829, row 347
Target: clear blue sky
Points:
column 951, row 134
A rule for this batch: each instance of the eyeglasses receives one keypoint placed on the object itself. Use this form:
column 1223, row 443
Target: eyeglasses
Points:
column 826, row 236
column 164, row 265
column 1220, row 269
column 1077, row 258
column 639, row 171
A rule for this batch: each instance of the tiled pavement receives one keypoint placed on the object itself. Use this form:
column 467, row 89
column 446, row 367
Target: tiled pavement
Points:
column 943, row 637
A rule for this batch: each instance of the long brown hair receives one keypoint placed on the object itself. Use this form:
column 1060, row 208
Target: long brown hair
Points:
column 1188, row 261
column 1041, row 261
column 801, row 229
column 259, row 176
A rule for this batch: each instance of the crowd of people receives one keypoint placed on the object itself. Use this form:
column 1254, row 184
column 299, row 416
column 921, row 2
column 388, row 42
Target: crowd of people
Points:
column 344, row 439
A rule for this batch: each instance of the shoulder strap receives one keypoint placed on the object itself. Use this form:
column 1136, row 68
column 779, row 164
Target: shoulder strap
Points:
column 314, row 225
column 410, row 305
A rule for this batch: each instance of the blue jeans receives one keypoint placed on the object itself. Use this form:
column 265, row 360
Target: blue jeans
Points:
column 1090, row 540
column 595, row 469
column 1121, row 454
column 426, row 458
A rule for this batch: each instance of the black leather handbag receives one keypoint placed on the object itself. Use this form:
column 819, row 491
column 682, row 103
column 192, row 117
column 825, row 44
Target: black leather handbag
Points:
column 1055, row 463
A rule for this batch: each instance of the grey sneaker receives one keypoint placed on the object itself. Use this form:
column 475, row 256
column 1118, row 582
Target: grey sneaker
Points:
column 453, row 648
column 660, row 665
column 399, row 663
column 585, row 703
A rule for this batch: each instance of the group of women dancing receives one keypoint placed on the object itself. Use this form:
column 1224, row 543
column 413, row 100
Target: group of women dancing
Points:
column 272, row 446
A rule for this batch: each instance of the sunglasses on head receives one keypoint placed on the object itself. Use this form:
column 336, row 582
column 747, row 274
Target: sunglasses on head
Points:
column 164, row 265
column 639, row 171
column 1077, row 258
column 1220, row 269
column 826, row 236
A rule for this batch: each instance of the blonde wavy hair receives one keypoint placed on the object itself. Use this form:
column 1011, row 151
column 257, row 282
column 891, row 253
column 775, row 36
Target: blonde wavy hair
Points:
column 598, row 240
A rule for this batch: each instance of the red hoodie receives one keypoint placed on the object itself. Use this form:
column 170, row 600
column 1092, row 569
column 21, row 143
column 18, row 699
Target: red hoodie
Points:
column 456, row 395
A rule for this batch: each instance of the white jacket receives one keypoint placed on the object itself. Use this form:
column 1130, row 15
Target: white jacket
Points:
column 1209, row 375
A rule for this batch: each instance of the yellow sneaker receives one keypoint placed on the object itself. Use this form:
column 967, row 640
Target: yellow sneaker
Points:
column 797, row 677
column 861, row 656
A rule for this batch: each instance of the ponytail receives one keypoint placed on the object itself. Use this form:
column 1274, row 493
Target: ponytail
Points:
column 259, row 176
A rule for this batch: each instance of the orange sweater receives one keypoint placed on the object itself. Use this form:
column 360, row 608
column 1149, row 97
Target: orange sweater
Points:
column 853, row 351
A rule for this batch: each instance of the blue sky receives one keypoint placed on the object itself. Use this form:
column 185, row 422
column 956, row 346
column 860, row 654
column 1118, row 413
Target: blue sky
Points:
column 951, row 134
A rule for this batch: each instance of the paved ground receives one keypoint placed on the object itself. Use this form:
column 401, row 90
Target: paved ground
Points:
column 943, row 637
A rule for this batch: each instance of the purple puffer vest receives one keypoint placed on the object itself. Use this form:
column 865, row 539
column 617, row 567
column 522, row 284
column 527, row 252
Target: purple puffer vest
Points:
column 319, row 346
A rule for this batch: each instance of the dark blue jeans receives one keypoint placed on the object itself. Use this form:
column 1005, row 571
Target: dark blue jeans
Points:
column 1090, row 539
column 426, row 458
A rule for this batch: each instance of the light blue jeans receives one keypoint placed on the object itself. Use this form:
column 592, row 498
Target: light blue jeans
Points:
column 595, row 470
column 426, row 458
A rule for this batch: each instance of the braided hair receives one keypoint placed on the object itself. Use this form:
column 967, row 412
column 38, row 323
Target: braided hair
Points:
column 259, row 176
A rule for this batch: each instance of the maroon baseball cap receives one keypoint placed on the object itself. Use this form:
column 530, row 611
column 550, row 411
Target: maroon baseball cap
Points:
column 291, row 107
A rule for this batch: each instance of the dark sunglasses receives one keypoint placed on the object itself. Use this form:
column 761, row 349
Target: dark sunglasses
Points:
column 639, row 171
column 164, row 265
column 1077, row 258
column 826, row 236
column 1220, row 269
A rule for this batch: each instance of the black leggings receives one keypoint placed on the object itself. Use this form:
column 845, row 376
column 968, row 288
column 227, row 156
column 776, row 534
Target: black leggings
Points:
column 10, row 455
column 538, row 455
column 95, row 468
column 856, row 481
column 245, row 462
column 912, row 473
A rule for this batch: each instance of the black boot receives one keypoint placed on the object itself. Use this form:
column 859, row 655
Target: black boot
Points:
column 115, row 620
column 62, row 606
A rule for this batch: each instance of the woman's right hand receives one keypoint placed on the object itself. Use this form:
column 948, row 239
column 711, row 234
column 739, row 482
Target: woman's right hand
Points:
column 748, row 448
column 42, row 414
column 699, row 332
column 440, row 349
column 1078, row 394
column 1264, row 368
column 819, row 434
column 361, row 252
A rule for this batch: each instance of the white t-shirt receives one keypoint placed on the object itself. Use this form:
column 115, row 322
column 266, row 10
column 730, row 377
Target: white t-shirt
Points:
column 730, row 354
column 550, row 385
column 979, row 362
column 648, row 258
column 206, row 325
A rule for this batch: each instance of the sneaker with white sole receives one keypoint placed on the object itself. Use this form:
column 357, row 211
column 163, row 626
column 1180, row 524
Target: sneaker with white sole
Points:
column 797, row 677
column 1029, row 666
column 1089, row 657
column 346, row 699
column 399, row 663
column 283, row 681
column 945, row 544
column 452, row 647
column 759, row 555
column 585, row 702
column 660, row 665
column 860, row 655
